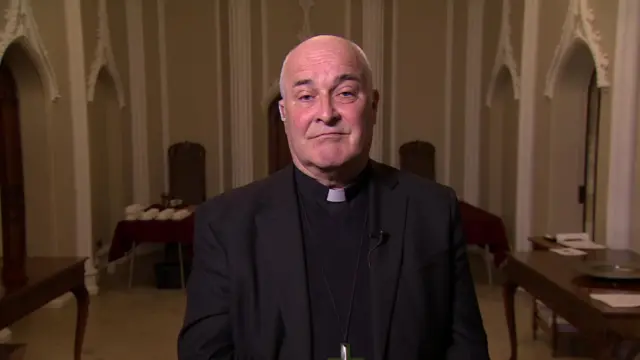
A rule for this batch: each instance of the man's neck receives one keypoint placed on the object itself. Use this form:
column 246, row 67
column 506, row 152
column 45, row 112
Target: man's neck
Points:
column 335, row 178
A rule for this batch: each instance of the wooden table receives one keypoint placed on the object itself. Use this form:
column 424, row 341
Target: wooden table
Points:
column 556, row 281
column 48, row 278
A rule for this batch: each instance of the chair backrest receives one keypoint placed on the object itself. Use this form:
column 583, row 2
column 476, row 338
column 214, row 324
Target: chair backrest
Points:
column 418, row 157
column 628, row 349
column 187, row 172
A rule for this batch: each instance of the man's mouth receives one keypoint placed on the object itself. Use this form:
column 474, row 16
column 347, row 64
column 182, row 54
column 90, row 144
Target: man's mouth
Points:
column 326, row 135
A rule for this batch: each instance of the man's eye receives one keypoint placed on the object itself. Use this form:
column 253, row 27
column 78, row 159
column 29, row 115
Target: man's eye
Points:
column 347, row 94
column 305, row 97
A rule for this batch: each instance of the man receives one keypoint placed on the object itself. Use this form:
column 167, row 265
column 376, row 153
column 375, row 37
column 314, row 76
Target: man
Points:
column 336, row 253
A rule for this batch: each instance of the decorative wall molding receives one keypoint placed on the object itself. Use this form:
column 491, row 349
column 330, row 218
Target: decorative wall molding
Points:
column 373, row 46
column 80, row 130
column 222, row 139
column 138, row 93
column 264, row 43
column 526, row 122
column 103, row 57
column 241, row 104
column 504, row 56
column 165, row 109
column 578, row 27
column 393, row 124
column 21, row 26
column 448, row 91
column 306, row 32
column 473, row 99
column 624, row 109
column 348, row 14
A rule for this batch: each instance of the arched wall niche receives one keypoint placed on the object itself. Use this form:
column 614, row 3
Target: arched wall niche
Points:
column 498, row 150
column 110, row 160
column 23, row 51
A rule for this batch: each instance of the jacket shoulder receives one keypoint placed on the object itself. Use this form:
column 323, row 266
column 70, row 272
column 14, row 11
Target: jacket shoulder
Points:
column 421, row 188
column 237, row 201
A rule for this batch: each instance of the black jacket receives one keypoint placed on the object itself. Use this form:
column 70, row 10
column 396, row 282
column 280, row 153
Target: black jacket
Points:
column 247, row 294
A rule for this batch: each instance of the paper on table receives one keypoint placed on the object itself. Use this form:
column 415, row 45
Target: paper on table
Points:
column 568, row 251
column 577, row 243
column 618, row 300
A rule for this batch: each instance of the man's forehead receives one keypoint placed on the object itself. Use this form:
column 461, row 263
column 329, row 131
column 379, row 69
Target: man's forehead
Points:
column 323, row 60
column 305, row 72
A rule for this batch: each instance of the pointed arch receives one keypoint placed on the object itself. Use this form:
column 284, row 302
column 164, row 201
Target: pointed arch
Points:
column 21, row 28
column 496, row 73
column 578, row 29
column 104, row 58
column 270, row 93
column 306, row 32
column 504, row 56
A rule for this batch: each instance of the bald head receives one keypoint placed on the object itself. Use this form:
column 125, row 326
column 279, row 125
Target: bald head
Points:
column 317, row 45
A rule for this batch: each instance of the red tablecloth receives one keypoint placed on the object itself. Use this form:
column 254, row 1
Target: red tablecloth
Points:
column 485, row 229
column 150, row 231
column 481, row 228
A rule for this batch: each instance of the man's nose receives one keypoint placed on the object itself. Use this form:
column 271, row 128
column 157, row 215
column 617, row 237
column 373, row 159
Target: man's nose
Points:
column 327, row 112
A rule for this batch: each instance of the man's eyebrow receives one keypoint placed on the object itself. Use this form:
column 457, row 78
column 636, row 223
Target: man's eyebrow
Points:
column 302, row 82
column 340, row 79
column 347, row 77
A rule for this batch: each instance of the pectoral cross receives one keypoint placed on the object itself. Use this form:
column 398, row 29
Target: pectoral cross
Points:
column 345, row 353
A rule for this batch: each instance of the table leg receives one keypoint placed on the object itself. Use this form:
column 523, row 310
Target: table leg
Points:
column 508, row 294
column 181, row 259
column 534, row 318
column 82, row 299
column 132, row 261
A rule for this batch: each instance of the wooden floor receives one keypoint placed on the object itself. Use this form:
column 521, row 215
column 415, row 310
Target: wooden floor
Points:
column 142, row 323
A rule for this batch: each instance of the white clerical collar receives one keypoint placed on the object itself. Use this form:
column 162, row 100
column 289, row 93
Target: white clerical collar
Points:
column 336, row 195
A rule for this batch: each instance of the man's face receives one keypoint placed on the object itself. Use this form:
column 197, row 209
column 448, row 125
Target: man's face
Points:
column 329, row 113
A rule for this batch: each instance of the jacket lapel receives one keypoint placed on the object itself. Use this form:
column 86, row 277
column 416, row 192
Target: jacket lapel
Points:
column 278, row 229
column 386, row 252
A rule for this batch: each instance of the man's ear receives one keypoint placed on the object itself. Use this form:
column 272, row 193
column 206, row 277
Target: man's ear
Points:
column 283, row 115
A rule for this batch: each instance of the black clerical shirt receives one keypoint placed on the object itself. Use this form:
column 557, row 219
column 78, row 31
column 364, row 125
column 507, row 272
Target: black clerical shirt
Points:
column 335, row 235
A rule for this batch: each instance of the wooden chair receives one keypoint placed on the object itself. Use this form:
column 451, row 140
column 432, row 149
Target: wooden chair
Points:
column 187, row 172
column 419, row 157
column 627, row 350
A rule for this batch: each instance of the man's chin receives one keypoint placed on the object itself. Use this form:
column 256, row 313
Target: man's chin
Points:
column 329, row 163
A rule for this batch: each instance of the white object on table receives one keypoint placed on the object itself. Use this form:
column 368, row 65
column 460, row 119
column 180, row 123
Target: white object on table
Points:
column 618, row 300
column 577, row 241
column 568, row 251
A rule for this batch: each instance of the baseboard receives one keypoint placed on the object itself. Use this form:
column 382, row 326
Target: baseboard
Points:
column 91, row 278
column 5, row 335
column 90, row 282
column 59, row 302
column 142, row 249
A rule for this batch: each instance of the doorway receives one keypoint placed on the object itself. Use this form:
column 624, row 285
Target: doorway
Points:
column 573, row 145
column 12, row 198
column 588, row 189
column 279, row 154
